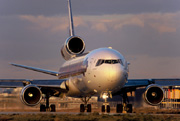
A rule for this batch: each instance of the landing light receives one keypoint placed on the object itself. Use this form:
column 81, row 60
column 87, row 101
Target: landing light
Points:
column 105, row 96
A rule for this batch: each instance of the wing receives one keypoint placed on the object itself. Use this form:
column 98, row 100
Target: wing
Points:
column 167, row 82
column 60, row 75
column 37, row 69
column 145, row 82
column 132, row 84
column 12, row 83
column 58, row 84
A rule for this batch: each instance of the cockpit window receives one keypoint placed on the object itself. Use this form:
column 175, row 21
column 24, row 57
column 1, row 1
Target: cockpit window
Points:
column 101, row 61
column 108, row 61
column 114, row 61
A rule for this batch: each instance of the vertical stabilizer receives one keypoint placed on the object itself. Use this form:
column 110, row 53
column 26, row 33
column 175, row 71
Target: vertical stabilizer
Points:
column 71, row 29
column 74, row 45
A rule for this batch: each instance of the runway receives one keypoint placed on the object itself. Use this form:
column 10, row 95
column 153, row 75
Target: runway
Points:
column 52, row 113
column 24, row 113
column 77, row 113
column 75, row 116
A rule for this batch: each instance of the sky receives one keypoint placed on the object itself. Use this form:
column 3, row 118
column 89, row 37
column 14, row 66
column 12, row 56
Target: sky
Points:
column 146, row 32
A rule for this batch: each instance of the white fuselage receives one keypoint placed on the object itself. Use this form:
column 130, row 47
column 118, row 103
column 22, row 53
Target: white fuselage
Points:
column 105, row 70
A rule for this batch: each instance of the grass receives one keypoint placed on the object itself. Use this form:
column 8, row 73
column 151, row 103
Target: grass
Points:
column 88, row 117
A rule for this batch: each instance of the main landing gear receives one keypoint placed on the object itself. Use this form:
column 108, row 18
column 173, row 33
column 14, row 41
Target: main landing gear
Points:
column 85, row 107
column 44, row 108
column 125, row 107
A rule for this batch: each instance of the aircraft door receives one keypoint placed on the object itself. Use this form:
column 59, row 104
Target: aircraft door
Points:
column 92, row 64
column 92, row 70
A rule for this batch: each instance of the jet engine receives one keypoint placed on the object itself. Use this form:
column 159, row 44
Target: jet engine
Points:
column 154, row 94
column 31, row 95
column 73, row 46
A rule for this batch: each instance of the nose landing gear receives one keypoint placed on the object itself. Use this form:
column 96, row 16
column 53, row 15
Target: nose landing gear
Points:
column 106, row 107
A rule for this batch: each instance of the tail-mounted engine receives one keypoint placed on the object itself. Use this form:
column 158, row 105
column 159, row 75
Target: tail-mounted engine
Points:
column 73, row 46
column 31, row 95
column 154, row 94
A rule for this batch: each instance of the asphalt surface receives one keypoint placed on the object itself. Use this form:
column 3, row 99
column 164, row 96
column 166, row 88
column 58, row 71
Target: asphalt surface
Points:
column 75, row 113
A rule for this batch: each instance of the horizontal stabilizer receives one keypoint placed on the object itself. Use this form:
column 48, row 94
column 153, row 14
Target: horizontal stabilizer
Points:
column 37, row 69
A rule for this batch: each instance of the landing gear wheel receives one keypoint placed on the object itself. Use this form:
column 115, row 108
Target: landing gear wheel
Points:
column 85, row 106
column 108, row 109
column 89, row 108
column 53, row 108
column 82, row 108
column 129, row 108
column 42, row 108
column 103, row 108
column 119, row 108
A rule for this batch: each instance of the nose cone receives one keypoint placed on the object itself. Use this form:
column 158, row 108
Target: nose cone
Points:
column 110, row 77
column 116, row 76
column 106, row 71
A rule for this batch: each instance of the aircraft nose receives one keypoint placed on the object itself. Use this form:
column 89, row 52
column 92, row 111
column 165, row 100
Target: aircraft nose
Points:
column 115, row 73
column 110, row 77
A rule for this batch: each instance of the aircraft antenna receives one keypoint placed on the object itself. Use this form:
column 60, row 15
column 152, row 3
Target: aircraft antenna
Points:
column 71, row 29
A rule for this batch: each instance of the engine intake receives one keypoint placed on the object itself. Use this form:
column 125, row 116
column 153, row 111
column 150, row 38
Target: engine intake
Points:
column 154, row 94
column 74, row 45
column 31, row 95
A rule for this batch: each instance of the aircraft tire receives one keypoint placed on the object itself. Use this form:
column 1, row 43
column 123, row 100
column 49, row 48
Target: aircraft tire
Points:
column 103, row 108
column 89, row 108
column 129, row 108
column 108, row 109
column 42, row 108
column 119, row 108
column 82, row 108
column 53, row 108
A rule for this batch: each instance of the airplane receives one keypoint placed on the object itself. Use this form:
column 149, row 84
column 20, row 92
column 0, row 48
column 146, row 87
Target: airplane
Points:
column 101, row 72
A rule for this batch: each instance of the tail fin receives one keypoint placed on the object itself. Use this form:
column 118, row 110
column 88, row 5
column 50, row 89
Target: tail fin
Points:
column 71, row 25
column 74, row 45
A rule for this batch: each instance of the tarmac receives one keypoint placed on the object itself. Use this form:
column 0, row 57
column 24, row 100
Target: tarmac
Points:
column 75, row 111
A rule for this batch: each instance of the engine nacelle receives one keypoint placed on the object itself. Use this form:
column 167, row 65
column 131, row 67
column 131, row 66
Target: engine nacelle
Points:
column 31, row 95
column 154, row 94
column 73, row 46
